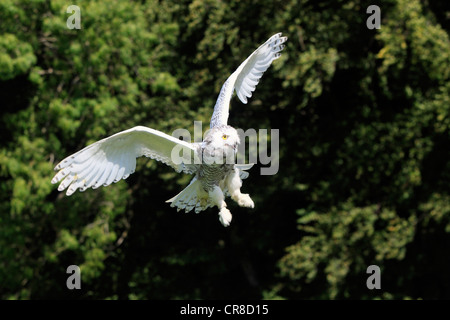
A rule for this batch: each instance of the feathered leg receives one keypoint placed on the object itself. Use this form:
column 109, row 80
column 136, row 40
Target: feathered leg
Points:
column 234, row 184
column 218, row 198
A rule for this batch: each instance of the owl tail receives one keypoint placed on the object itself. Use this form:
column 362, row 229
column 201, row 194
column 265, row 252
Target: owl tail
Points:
column 193, row 196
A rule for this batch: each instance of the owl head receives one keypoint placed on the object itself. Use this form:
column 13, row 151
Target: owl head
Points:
column 220, row 144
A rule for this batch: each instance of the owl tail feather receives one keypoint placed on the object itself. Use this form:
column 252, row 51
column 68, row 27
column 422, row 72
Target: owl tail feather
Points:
column 193, row 196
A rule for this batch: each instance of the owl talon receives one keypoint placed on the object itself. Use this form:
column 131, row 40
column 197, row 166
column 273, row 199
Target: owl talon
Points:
column 225, row 217
column 244, row 200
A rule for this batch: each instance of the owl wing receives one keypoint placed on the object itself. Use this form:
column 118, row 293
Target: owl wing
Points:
column 246, row 77
column 114, row 158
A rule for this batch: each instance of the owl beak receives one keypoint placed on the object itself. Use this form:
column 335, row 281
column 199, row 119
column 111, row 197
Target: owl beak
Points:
column 234, row 147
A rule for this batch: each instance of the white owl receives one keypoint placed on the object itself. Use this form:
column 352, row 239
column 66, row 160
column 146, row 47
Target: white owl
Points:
column 114, row 158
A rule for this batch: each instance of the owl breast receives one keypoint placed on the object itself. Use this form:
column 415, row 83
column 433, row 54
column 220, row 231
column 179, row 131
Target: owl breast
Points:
column 211, row 175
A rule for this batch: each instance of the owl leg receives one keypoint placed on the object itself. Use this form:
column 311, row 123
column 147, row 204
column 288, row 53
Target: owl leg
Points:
column 234, row 184
column 218, row 199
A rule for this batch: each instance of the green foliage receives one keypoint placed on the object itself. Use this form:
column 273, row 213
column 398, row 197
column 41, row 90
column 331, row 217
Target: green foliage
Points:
column 343, row 241
column 364, row 119
column 16, row 57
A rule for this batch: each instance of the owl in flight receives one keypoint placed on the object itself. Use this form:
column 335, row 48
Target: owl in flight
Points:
column 215, row 175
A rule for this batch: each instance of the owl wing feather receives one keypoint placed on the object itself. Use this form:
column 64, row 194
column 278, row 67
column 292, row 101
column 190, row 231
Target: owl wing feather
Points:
column 246, row 77
column 114, row 158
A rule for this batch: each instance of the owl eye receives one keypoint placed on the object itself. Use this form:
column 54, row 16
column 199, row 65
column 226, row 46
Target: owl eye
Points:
column 224, row 137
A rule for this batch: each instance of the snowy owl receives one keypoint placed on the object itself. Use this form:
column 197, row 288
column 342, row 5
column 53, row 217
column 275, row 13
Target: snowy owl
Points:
column 114, row 158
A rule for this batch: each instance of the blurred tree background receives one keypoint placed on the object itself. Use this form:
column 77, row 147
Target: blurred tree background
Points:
column 364, row 149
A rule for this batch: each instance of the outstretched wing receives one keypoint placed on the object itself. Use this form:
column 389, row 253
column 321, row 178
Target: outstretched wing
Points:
column 245, row 79
column 114, row 158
